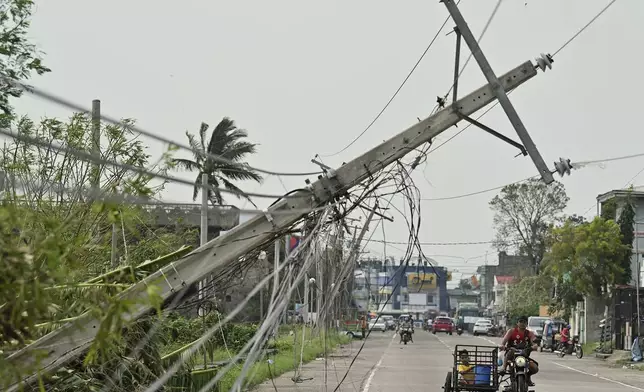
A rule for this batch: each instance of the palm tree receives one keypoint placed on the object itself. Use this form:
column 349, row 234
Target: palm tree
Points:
column 226, row 142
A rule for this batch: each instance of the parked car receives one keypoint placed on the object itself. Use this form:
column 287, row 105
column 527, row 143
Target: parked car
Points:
column 377, row 325
column 482, row 327
column 443, row 324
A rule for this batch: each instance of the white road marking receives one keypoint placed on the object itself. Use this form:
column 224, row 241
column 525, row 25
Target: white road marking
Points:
column 442, row 342
column 372, row 374
column 488, row 340
column 599, row 377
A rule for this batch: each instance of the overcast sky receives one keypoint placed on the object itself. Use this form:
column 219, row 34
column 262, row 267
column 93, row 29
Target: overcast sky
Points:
column 306, row 77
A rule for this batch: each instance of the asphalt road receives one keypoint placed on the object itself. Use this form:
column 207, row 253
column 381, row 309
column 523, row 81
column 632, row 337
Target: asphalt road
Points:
column 384, row 365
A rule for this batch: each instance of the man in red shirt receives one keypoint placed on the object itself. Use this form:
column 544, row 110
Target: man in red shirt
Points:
column 520, row 335
column 565, row 337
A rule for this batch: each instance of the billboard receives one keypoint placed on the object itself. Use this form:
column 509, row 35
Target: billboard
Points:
column 419, row 299
column 421, row 281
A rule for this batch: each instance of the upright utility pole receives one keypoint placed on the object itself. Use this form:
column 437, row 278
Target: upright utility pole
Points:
column 95, row 178
column 637, row 281
column 305, row 305
column 203, row 232
column 96, row 142
column 287, row 252
column 276, row 274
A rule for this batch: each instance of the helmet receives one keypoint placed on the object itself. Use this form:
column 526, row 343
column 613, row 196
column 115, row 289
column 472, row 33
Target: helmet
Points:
column 522, row 319
column 568, row 326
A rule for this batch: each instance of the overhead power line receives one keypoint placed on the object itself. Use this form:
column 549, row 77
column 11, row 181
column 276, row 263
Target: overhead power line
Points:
column 134, row 169
column 575, row 165
column 75, row 107
column 610, row 3
column 395, row 94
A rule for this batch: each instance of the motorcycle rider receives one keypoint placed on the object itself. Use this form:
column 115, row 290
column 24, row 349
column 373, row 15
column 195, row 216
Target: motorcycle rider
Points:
column 516, row 336
column 407, row 325
column 565, row 338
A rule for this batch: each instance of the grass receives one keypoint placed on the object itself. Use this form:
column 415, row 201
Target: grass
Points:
column 284, row 360
column 632, row 365
column 589, row 348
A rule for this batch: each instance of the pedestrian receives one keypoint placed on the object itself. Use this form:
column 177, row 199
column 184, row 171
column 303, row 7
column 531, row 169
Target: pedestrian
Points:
column 363, row 326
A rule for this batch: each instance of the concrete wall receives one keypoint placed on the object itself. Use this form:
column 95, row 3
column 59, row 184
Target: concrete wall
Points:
column 594, row 313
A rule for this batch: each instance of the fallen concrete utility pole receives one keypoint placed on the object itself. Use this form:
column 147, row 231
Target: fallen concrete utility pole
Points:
column 71, row 340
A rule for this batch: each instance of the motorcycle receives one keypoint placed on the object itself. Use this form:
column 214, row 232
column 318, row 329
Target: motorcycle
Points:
column 405, row 334
column 518, row 368
column 570, row 348
column 459, row 330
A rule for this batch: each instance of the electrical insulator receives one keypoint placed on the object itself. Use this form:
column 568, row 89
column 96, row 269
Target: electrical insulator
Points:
column 563, row 166
column 544, row 61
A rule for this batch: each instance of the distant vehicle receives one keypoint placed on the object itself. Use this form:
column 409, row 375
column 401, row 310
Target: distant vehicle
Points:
column 377, row 325
column 482, row 327
column 443, row 324
column 389, row 321
column 536, row 324
column 467, row 313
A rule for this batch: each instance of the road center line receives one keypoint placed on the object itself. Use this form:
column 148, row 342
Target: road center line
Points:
column 373, row 371
column 488, row 340
column 599, row 377
column 442, row 342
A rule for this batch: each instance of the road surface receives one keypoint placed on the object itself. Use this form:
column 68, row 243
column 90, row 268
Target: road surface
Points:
column 384, row 365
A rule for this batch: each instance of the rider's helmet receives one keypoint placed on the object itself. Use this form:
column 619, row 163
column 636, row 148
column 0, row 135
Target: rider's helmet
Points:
column 568, row 326
column 522, row 319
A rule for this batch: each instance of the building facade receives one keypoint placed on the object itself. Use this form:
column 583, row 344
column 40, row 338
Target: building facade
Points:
column 619, row 198
column 398, row 289
column 509, row 265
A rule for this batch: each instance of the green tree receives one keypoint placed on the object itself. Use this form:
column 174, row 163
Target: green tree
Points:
column 522, row 214
column 525, row 296
column 57, row 184
column 18, row 57
column 609, row 209
column 226, row 141
column 626, row 222
column 55, row 234
column 584, row 259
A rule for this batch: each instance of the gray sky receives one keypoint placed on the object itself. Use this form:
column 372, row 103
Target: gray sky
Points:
column 307, row 77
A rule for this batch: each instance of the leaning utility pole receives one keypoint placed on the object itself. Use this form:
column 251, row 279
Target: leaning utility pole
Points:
column 528, row 148
column 71, row 340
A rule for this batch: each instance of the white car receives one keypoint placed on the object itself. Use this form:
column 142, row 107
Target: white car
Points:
column 377, row 325
column 482, row 327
